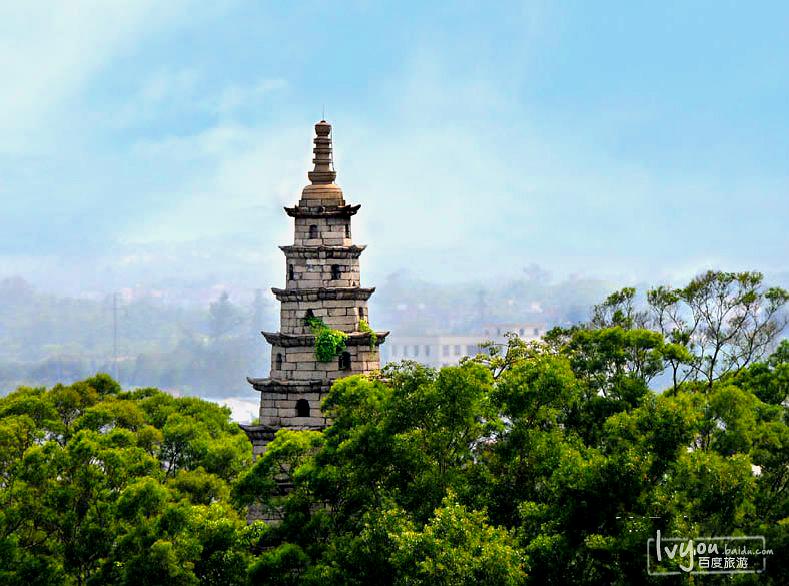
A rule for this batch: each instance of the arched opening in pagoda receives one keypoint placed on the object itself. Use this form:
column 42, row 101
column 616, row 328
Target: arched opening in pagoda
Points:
column 302, row 408
column 278, row 361
column 335, row 272
column 313, row 231
column 344, row 361
column 291, row 274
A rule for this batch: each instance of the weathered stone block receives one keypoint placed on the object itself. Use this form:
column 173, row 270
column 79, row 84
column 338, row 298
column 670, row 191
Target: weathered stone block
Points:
column 310, row 420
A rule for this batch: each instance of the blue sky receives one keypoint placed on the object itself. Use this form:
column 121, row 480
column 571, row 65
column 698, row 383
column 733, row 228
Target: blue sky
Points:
column 144, row 141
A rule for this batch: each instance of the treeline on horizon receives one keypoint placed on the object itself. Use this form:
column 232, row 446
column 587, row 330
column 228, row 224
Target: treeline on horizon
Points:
column 196, row 350
column 208, row 350
column 538, row 463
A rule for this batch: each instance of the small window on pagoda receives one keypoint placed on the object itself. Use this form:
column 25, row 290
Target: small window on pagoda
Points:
column 313, row 231
column 347, row 230
column 291, row 275
column 308, row 315
column 335, row 272
column 302, row 408
column 361, row 313
column 345, row 361
column 278, row 361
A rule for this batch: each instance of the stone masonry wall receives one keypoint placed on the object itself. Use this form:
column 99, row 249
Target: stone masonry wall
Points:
column 317, row 272
column 331, row 231
column 280, row 410
column 337, row 314
column 299, row 363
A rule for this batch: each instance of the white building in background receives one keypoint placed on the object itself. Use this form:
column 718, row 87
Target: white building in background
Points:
column 525, row 331
column 447, row 350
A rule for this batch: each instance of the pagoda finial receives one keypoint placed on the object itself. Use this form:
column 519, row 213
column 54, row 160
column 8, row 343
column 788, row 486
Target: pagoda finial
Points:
column 324, row 168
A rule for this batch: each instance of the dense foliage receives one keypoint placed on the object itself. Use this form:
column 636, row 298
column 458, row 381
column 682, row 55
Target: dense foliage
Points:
column 100, row 486
column 365, row 327
column 548, row 463
column 329, row 343
column 457, row 477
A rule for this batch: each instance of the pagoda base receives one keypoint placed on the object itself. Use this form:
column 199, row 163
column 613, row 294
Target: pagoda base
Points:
column 286, row 404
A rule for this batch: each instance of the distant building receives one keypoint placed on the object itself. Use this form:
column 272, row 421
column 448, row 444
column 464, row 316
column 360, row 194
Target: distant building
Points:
column 527, row 331
column 447, row 349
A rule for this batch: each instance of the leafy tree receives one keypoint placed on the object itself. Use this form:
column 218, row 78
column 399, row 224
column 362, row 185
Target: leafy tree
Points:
column 540, row 463
column 457, row 547
column 725, row 320
column 619, row 310
column 101, row 486
column 547, row 463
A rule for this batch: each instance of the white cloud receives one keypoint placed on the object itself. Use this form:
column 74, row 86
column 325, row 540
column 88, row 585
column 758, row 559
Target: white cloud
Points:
column 234, row 97
column 50, row 50
column 244, row 177
column 476, row 196
column 159, row 93
column 243, row 410
column 217, row 142
column 168, row 85
column 188, row 91
column 456, row 177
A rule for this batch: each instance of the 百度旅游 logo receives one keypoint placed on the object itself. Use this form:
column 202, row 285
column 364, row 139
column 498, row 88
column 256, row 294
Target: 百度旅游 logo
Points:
column 741, row 554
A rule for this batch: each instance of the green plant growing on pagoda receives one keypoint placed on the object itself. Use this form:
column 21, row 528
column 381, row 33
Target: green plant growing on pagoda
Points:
column 365, row 327
column 329, row 343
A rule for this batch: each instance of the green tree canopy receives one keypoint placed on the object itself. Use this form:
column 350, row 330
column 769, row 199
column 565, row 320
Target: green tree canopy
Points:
column 533, row 463
column 100, row 486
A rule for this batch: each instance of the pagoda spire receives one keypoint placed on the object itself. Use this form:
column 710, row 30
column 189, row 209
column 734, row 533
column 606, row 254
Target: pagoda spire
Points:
column 323, row 172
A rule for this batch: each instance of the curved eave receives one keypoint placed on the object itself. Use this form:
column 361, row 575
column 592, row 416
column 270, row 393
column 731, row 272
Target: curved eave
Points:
column 328, row 212
column 274, row 385
column 324, row 293
column 321, row 251
column 293, row 340
column 258, row 432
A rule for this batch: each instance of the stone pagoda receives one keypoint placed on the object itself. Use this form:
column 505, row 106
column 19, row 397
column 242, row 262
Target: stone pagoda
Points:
column 321, row 281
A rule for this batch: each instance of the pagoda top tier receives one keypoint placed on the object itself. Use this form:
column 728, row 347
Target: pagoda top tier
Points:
column 324, row 166
column 322, row 176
